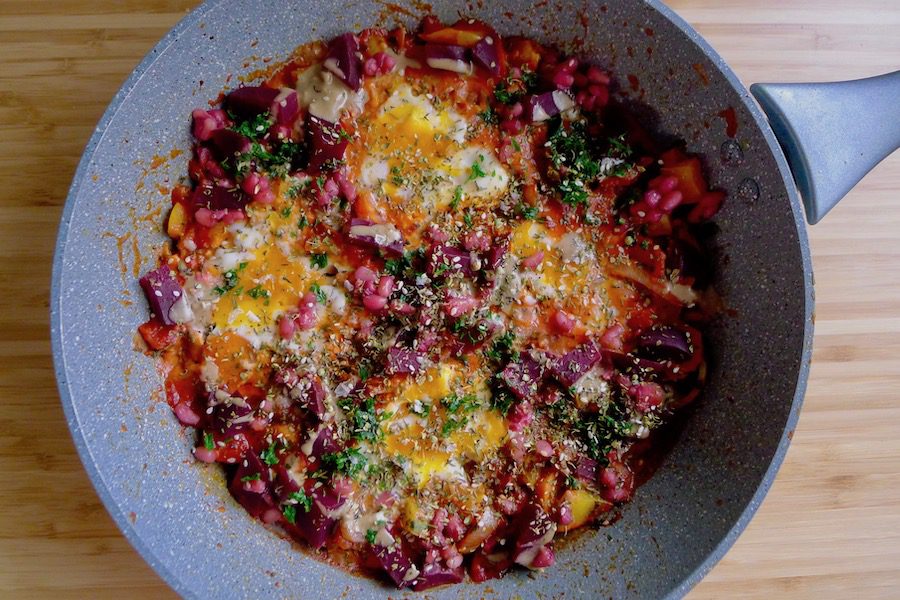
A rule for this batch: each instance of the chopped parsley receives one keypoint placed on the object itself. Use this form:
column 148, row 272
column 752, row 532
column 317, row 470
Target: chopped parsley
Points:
column 457, row 197
column 254, row 128
column 370, row 536
column 363, row 371
column 512, row 89
column 254, row 477
column 290, row 513
column 270, row 455
column 453, row 423
column 348, row 462
column 477, row 170
column 277, row 161
column 230, row 280
column 467, row 219
column 597, row 432
column 529, row 213
column 455, row 403
column 208, row 442
column 502, row 399
column 319, row 260
column 302, row 223
column 258, row 292
column 302, row 499
column 570, row 155
column 316, row 289
column 502, row 349
column 365, row 421
column 286, row 211
column 489, row 116
column 397, row 176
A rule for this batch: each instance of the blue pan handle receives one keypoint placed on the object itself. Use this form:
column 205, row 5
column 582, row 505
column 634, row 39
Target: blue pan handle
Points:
column 832, row 133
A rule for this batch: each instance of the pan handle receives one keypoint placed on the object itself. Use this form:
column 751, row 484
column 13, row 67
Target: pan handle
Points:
column 832, row 133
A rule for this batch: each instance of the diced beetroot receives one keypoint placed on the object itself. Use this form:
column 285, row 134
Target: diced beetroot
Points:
column 435, row 574
column 205, row 122
column 485, row 53
column 447, row 260
column 396, row 562
column 314, row 525
column 285, row 484
column 617, row 481
column 249, row 101
column 404, row 361
column 230, row 416
column 381, row 236
column 286, row 107
column 497, row 253
column 323, row 443
column 344, row 60
column 327, row 145
column 251, row 468
column 448, row 58
column 646, row 396
column 586, row 468
column 473, row 336
column 536, row 530
column 216, row 197
column 665, row 343
column 310, row 394
column 524, row 377
column 489, row 566
column 520, row 416
column 573, row 365
column 162, row 291
column 227, row 144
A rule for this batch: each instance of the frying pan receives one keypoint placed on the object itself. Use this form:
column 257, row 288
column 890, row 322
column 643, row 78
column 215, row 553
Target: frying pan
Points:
column 177, row 512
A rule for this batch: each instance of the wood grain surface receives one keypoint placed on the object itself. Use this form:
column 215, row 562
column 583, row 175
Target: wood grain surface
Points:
column 830, row 527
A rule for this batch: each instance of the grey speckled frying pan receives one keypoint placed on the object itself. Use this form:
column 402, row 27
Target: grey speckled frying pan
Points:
column 177, row 513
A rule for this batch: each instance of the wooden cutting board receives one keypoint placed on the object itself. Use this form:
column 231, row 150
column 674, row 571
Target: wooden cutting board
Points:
column 830, row 527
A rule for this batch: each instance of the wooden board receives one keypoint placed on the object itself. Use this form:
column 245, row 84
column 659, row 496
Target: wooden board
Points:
column 830, row 528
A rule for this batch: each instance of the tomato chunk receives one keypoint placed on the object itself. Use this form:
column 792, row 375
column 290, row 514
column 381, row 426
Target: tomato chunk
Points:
column 157, row 335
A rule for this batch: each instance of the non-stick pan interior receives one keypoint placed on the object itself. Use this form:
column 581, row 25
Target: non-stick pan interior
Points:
column 177, row 512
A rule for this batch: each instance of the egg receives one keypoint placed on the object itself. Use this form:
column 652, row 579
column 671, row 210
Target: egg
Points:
column 418, row 428
column 569, row 269
column 416, row 159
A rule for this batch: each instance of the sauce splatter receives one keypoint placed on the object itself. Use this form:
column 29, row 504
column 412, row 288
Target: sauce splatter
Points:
column 701, row 71
column 730, row 118
column 633, row 82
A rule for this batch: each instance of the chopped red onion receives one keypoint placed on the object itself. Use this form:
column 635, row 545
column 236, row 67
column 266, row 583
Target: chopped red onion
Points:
column 523, row 378
column 542, row 107
column 485, row 53
column 404, row 361
column 448, row 58
column 573, row 365
column 536, row 530
column 382, row 236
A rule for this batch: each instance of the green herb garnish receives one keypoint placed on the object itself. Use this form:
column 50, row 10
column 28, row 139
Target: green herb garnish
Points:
column 319, row 260
column 348, row 462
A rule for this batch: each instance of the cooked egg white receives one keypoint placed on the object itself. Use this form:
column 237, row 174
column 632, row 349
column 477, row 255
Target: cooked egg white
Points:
column 414, row 430
column 417, row 161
